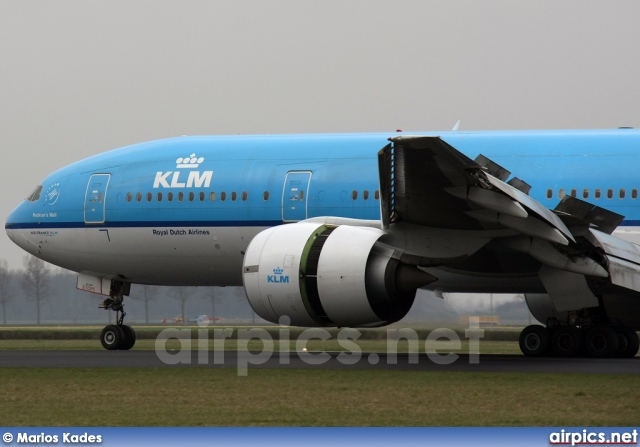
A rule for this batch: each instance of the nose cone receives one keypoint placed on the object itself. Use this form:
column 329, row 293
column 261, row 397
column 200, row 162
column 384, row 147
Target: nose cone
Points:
column 10, row 224
column 17, row 225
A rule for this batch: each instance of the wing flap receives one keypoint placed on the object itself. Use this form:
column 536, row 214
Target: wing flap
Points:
column 493, row 168
column 533, row 205
column 623, row 258
column 520, row 185
column 624, row 273
column 614, row 246
column 585, row 214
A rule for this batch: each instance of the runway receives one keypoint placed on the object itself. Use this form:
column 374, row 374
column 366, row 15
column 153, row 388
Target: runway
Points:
column 233, row 359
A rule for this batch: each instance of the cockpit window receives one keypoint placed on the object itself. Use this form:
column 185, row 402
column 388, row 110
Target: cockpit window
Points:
column 35, row 195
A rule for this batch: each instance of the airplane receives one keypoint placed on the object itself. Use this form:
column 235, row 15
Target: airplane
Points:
column 341, row 230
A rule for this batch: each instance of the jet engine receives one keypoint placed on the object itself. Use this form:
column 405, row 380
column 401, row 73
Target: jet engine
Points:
column 323, row 275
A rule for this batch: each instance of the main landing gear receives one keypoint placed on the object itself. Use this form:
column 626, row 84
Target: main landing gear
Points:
column 563, row 340
column 119, row 335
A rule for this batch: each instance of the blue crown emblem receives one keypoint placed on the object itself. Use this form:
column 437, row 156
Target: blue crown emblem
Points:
column 278, row 271
column 190, row 162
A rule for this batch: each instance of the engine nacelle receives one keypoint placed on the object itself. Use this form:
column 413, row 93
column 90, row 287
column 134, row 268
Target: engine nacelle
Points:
column 323, row 275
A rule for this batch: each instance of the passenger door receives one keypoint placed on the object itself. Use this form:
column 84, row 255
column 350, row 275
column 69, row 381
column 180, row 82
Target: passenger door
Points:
column 295, row 196
column 95, row 199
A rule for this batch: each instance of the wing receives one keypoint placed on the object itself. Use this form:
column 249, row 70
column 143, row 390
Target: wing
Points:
column 426, row 182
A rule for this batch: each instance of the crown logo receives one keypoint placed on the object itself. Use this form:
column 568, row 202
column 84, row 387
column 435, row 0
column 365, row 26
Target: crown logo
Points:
column 52, row 194
column 278, row 271
column 190, row 162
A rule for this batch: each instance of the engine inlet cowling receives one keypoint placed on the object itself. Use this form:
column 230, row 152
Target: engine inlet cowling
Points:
column 323, row 275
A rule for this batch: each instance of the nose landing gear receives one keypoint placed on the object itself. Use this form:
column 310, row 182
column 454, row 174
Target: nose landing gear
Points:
column 119, row 335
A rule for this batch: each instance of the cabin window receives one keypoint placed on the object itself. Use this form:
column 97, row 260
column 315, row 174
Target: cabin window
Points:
column 180, row 196
column 609, row 193
column 223, row 196
column 622, row 193
column 245, row 196
column 549, row 193
column 170, row 197
column 634, row 193
column 212, row 196
column 265, row 196
column 574, row 192
column 202, row 196
column 149, row 197
column 376, row 194
column 585, row 193
column 35, row 194
column 139, row 197
column 561, row 193
column 354, row 195
column 234, row 196
column 365, row 194
column 192, row 196
column 598, row 193
column 159, row 197
column 129, row 197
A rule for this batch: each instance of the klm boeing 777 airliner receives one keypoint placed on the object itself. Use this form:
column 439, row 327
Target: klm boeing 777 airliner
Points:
column 341, row 230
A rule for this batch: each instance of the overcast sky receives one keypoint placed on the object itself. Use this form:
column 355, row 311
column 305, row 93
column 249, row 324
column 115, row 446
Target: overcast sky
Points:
column 81, row 77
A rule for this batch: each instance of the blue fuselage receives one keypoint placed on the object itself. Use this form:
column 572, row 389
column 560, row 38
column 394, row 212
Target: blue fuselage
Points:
column 191, row 205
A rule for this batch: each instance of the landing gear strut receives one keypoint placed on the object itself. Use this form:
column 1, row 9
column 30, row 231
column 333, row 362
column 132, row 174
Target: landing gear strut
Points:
column 119, row 335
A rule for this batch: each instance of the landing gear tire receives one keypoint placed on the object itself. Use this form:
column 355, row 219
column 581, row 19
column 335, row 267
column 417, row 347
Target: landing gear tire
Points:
column 566, row 341
column 602, row 342
column 535, row 341
column 129, row 338
column 628, row 342
column 112, row 337
column 119, row 335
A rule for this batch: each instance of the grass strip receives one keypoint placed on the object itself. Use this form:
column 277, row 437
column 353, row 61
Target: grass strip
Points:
column 283, row 397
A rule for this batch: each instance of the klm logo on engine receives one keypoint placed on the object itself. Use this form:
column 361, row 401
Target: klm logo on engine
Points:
column 278, row 276
column 176, row 179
